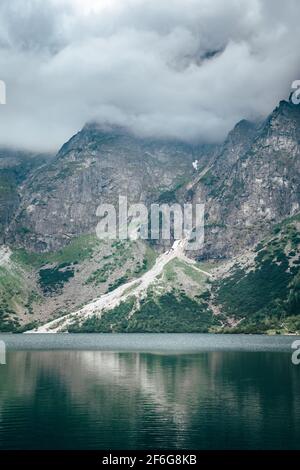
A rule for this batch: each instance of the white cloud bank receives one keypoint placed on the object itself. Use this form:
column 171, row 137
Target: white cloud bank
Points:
column 180, row 68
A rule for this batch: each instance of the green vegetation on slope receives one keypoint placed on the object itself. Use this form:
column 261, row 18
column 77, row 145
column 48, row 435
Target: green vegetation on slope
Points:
column 15, row 295
column 115, row 262
column 266, row 297
column 56, row 268
column 78, row 250
column 260, row 297
column 171, row 312
column 122, row 251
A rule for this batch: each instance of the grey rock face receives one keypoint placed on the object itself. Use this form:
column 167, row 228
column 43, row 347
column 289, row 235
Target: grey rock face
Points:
column 15, row 166
column 254, row 183
column 96, row 166
column 248, row 184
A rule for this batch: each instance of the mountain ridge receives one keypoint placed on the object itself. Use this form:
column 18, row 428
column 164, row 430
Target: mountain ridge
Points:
column 250, row 184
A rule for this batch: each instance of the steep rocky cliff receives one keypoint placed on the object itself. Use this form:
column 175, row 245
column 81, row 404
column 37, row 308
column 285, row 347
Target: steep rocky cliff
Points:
column 15, row 167
column 96, row 166
column 248, row 184
column 253, row 183
column 55, row 264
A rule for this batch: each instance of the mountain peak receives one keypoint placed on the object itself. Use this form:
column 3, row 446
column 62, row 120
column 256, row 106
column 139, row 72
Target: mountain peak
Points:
column 287, row 108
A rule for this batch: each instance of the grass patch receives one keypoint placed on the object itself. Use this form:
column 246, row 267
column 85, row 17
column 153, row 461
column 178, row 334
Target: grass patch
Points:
column 13, row 295
column 78, row 250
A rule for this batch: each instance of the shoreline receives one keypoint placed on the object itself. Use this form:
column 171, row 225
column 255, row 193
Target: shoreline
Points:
column 149, row 342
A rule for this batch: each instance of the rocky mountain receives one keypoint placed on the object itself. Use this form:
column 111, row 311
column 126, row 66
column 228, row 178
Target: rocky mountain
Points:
column 15, row 166
column 96, row 166
column 53, row 265
column 255, row 292
column 253, row 184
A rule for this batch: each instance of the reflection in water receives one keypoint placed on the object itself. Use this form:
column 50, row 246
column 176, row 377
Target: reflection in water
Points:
column 105, row 400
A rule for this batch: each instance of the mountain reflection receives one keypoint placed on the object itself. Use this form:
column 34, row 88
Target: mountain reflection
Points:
column 95, row 399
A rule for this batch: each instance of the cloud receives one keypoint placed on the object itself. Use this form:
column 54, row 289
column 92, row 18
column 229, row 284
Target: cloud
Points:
column 179, row 68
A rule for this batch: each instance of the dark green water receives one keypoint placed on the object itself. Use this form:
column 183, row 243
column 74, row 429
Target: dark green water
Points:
column 214, row 396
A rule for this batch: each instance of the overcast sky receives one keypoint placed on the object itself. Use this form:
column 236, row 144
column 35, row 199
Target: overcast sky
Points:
column 184, row 68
